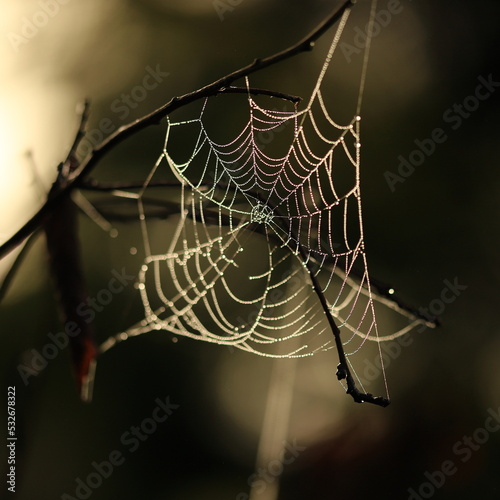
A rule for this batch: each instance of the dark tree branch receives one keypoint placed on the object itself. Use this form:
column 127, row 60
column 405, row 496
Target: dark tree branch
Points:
column 61, row 233
column 64, row 252
column 72, row 163
column 93, row 185
column 15, row 266
column 343, row 371
column 78, row 173
column 171, row 208
column 215, row 217
column 59, row 190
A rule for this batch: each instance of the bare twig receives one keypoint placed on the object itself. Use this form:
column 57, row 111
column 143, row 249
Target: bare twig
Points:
column 7, row 280
column 343, row 371
column 61, row 233
column 97, row 186
column 77, row 174
column 171, row 208
column 71, row 163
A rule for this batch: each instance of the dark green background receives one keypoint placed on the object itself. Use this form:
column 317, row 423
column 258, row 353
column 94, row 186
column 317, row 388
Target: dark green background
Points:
column 441, row 223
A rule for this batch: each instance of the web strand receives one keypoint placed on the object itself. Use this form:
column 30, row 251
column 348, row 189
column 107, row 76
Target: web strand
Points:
column 268, row 246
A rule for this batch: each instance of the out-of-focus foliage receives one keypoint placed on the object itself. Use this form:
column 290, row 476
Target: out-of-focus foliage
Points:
column 438, row 224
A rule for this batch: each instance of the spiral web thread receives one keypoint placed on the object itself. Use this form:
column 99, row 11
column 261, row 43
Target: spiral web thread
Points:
column 253, row 227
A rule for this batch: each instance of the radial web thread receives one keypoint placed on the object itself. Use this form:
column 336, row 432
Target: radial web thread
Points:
column 254, row 225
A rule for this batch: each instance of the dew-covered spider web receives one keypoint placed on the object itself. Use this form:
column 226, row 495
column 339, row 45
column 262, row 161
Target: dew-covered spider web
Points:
column 267, row 248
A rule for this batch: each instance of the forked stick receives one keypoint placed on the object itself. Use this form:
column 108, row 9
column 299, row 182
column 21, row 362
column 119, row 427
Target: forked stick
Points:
column 79, row 172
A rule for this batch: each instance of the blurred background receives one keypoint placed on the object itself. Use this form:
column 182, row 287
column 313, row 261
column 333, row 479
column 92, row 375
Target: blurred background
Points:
column 432, row 234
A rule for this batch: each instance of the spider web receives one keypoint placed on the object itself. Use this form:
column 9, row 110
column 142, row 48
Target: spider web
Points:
column 266, row 237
